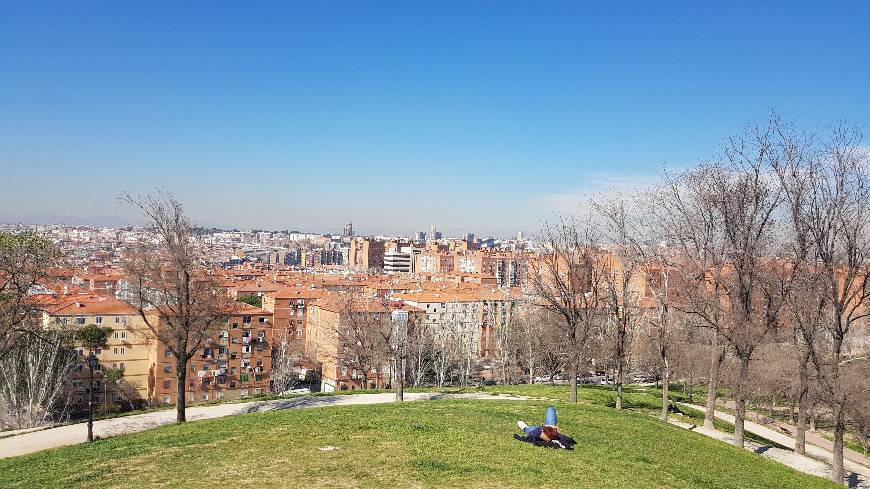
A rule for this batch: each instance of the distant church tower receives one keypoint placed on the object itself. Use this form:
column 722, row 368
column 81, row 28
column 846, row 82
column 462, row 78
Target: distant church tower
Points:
column 348, row 230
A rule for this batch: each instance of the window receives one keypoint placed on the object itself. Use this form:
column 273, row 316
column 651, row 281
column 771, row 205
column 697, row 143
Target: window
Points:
column 121, row 365
column 261, row 334
column 97, row 351
column 167, row 399
column 246, row 348
column 299, row 330
column 204, row 396
column 120, row 335
column 243, row 377
column 244, row 392
column 118, row 351
column 117, row 319
column 262, row 319
column 80, row 320
column 167, row 369
column 167, row 354
column 99, row 320
column 167, row 384
column 258, row 391
column 235, row 325
column 193, row 367
column 246, row 320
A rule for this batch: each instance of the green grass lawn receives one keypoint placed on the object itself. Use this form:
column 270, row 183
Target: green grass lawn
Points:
column 448, row 443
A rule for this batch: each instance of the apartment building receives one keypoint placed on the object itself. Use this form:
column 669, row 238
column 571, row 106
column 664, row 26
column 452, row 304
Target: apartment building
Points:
column 469, row 316
column 396, row 261
column 434, row 262
column 129, row 344
column 290, row 314
column 366, row 254
column 235, row 363
column 326, row 345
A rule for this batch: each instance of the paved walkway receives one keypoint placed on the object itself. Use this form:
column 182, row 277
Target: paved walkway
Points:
column 811, row 437
column 29, row 442
column 857, row 475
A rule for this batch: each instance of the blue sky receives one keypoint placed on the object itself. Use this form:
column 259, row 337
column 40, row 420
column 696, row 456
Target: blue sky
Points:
column 480, row 116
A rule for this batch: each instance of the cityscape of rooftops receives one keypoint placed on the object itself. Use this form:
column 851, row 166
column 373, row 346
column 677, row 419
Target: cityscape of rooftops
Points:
column 434, row 244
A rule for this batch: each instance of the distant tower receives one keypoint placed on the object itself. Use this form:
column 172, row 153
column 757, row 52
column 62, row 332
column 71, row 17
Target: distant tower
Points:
column 434, row 234
column 348, row 230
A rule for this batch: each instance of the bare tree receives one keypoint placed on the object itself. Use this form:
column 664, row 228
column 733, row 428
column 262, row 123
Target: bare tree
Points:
column 834, row 213
column 284, row 373
column 180, row 303
column 363, row 336
column 35, row 378
column 731, row 223
column 25, row 261
column 689, row 219
column 564, row 280
column 420, row 352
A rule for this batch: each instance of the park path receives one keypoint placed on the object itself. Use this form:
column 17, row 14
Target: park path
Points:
column 811, row 437
column 35, row 441
column 858, row 475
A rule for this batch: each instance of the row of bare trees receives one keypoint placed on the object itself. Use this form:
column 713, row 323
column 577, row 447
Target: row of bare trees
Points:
column 765, row 244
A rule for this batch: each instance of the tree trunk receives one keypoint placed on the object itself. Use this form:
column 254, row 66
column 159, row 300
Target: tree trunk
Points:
column 837, row 405
column 619, row 373
column 180, row 398
column 740, row 399
column 400, row 380
column 800, row 435
column 572, row 371
column 716, row 357
column 689, row 385
column 531, row 364
column 666, row 376
column 837, row 465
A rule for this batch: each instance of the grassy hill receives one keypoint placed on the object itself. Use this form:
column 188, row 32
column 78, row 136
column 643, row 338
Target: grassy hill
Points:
column 450, row 443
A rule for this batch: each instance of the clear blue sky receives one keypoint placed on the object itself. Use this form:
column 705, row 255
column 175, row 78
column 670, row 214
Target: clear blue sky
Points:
column 477, row 116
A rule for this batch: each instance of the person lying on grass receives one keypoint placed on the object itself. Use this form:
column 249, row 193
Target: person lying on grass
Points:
column 546, row 435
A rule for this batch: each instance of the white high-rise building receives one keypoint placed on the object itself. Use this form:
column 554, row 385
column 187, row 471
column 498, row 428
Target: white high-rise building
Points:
column 397, row 261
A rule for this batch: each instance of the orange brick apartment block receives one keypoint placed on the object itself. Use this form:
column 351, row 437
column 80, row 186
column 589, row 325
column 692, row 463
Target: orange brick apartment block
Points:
column 233, row 364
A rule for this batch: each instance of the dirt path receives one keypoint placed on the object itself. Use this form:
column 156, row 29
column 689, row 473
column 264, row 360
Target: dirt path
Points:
column 857, row 475
column 30, row 442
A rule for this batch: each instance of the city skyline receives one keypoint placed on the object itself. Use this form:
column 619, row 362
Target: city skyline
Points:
column 485, row 118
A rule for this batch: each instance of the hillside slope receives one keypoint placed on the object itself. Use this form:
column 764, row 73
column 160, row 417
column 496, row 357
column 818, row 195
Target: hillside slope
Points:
column 424, row 444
